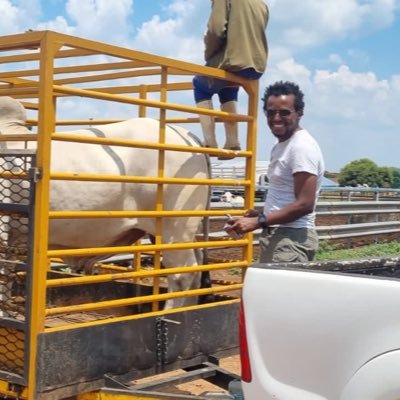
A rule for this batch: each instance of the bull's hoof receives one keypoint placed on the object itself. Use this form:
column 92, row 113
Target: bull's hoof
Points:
column 207, row 298
column 229, row 156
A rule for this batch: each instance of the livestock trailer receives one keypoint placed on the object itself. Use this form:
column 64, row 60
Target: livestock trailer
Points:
column 66, row 334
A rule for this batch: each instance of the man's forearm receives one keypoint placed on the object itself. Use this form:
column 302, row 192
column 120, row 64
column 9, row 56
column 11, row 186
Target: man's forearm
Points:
column 290, row 213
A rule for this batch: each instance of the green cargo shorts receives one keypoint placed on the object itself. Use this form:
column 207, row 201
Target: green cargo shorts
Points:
column 288, row 245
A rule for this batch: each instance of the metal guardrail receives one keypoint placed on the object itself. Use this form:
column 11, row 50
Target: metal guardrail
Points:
column 357, row 193
column 359, row 207
column 331, row 232
column 334, row 207
column 327, row 192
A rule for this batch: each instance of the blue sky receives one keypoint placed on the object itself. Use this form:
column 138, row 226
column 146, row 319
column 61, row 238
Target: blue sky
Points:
column 343, row 53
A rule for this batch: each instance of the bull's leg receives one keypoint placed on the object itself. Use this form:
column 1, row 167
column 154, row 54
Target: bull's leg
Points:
column 205, row 281
column 181, row 282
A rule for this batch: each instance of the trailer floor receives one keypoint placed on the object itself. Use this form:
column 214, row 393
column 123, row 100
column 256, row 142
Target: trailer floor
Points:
column 195, row 387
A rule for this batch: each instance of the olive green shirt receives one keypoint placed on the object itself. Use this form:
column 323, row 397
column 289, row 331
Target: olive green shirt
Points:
column 235, row 37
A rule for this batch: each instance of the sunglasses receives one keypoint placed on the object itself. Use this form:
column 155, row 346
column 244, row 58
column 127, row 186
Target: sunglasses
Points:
column 282, row 113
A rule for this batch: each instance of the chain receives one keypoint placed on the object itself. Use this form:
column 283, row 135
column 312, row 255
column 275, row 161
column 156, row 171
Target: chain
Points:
column 159, row 342
column 164, row 337
column 162, row 340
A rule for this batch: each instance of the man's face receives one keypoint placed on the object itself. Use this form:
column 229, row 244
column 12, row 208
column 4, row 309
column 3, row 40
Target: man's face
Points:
column 282, row 118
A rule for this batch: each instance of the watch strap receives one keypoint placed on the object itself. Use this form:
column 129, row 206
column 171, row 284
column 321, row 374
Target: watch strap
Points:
column 262, row 220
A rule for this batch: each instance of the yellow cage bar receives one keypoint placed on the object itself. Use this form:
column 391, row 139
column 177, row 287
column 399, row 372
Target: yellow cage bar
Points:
column 42, row 69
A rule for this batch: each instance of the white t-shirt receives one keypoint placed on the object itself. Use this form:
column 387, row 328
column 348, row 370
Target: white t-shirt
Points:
column 300, row 153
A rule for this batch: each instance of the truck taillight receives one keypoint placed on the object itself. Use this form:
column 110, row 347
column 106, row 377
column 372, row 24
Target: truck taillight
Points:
column 244, row 351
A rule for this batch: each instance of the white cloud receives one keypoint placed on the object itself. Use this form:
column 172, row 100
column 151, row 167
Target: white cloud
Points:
column 292, row 71
column 180, row 35
column 380, row 13
column 156, row 36
column 395, row 82
column 354, row 116
column 183, row 7
column 102, row 19
column 59, row 24
column 314, row 22
column 9, row 14
column 29, row 9
column 19, row 15
column 358, row 55
column 335, row 59
column 349, row 80
column 288, row 70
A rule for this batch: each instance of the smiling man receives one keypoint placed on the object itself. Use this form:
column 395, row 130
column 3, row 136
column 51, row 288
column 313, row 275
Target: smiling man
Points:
column 295, row 173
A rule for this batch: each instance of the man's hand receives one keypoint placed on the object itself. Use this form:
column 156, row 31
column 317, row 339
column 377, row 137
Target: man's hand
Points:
column 251, row 213
column 241, row 225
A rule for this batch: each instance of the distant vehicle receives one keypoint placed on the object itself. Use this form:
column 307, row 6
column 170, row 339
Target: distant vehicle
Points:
column 263, row 179
column 215, row 197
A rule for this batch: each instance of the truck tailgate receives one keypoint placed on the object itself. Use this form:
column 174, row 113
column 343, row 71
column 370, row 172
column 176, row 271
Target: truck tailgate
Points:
column 309, row 332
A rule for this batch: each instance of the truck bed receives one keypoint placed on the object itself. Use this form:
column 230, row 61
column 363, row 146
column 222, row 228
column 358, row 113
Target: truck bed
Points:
column 324, row 330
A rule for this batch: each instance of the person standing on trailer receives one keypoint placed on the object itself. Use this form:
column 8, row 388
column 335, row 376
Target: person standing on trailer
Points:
column 235, row 41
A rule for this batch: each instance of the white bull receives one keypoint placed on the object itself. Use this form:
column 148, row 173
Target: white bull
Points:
column 90, row 196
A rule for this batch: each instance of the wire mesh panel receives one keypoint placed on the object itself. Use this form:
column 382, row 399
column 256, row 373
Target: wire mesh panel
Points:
column 12, row 350
column 16, row 205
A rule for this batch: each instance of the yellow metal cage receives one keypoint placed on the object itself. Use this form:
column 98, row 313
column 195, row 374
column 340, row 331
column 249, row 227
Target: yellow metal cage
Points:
column 39, row 69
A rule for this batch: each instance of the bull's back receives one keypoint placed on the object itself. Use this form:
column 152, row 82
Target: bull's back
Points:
column 135, row 161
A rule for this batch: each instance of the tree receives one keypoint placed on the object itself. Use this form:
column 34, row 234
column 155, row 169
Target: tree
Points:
column 365, row 172
column 396, row 177
column 385, row 177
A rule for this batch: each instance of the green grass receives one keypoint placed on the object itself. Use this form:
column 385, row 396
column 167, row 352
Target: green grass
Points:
column 330, row 252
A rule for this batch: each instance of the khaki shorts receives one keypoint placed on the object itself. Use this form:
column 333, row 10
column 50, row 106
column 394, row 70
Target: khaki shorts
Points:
column 288, row 245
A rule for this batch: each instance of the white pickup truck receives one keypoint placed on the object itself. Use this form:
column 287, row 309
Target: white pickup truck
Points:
column 322, row 331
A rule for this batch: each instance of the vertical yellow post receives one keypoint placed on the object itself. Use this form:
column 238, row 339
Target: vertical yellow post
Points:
column 252, row 91
column 142, row 95
column 137, row 262
column 160, row 186
column 46, row 126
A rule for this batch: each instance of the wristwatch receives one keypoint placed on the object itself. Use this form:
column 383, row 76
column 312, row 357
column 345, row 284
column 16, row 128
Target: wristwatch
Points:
column 262, row 220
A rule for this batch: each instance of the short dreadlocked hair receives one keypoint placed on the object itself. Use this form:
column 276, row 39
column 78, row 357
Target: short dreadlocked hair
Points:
column 285, row 88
